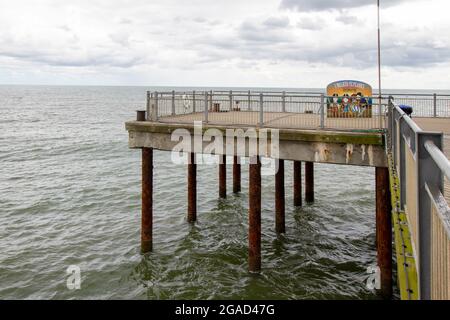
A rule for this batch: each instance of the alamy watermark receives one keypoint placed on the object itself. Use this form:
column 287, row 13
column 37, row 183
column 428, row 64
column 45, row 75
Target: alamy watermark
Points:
column 374, row 280
column 73, row 281
column 248, row 143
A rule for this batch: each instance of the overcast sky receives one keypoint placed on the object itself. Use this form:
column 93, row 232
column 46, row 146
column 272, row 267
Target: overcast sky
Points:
column 257, row 43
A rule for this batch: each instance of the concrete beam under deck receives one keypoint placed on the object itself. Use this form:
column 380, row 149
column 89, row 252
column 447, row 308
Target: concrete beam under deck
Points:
column 323, row 146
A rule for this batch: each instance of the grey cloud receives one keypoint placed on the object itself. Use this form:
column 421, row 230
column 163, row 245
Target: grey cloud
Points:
column 349, row 19
column 121, row 38
column 321, row 5
column 310, row 23
column 415, row 55
column 65, row 28
column 250, row 43
column 277, row 22
column 200, row 20
column 65, row 60
column 125, row 21
column 264, row 32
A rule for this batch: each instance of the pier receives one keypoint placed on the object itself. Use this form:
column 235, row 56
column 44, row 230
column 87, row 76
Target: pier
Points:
column 409, row 158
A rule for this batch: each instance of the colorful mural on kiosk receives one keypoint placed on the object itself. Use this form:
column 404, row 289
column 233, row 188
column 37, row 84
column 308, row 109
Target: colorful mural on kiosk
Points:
column 349, row 99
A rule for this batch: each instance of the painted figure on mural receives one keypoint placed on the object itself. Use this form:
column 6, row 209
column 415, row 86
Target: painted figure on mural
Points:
column 346, row 103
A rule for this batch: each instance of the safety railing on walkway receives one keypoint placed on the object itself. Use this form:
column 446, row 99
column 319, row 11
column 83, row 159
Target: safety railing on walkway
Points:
column 425, row 105
column 268, row 109
column 421, row 167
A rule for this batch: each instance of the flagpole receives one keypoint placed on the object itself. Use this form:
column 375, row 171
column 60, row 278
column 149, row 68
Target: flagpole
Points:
column 379, row 63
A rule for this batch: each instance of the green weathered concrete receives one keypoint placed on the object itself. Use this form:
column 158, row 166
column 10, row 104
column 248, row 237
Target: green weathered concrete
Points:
column 339, row 147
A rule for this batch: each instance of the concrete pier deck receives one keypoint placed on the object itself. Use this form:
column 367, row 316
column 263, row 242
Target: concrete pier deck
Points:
column 285, row 120
column 325, row 146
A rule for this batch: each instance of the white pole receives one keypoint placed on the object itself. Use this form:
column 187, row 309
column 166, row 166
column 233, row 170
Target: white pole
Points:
column 379, row 65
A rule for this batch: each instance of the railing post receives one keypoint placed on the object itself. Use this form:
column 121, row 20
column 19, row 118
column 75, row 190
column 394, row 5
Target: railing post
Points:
column 380, row 111
column 322, row 110
column 434, row 105
column 156, row 107
column 428, row 174
column 261, row 110
column 173, row 102
column 193, row 101
column 249, row 107
column 389, row 118
column 211, row 100
column 231, row 100
column 149, row 115
column 396, row 126
column 402, row 161
column 205, row 115
column 283, row 102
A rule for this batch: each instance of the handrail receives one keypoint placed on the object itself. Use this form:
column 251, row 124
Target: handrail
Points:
column 421, row 174
column 408, row 120
column 439, row 157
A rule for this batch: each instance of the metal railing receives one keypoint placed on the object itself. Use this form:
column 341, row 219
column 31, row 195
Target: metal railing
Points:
column 422, row 167
column 425, row 105
column 267, row 109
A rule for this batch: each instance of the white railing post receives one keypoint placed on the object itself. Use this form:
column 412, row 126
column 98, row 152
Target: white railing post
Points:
column 205, row 114
column 380, row 112
column 148, row 116
column 156, row 106
column 322, row 110
column 261, row 110
column 173, row 102
column 249, row 106
column 211, row 101
column 434, row 105
column 231, row 100
column 193, row 101
column 283, row 101
column 389, row 118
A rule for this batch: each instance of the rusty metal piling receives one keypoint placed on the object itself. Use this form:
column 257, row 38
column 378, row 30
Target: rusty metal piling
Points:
column 192, row 189
column 309, row 182
column 254, row 216
column 236, row 175
column 147, row 201
column 280, row 225
column 384, row 231
column 223, row 177
column 297, row 183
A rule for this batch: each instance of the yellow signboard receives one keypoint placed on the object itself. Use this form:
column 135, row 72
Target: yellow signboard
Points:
column 349, row 99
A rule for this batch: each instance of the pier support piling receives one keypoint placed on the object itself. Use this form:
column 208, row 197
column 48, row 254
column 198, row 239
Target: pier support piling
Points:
column 192, row 189
column 309, row 182
column 297, row 183
column 384, row 231
column 254, row 216
column 236, row 174
column 223, row 177
column 280, row 225
column 147, row 201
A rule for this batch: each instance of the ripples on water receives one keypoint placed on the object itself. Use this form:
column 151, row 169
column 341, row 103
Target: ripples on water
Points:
column 70, row 195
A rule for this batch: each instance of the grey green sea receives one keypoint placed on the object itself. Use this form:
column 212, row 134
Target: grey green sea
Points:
column 70, row 195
